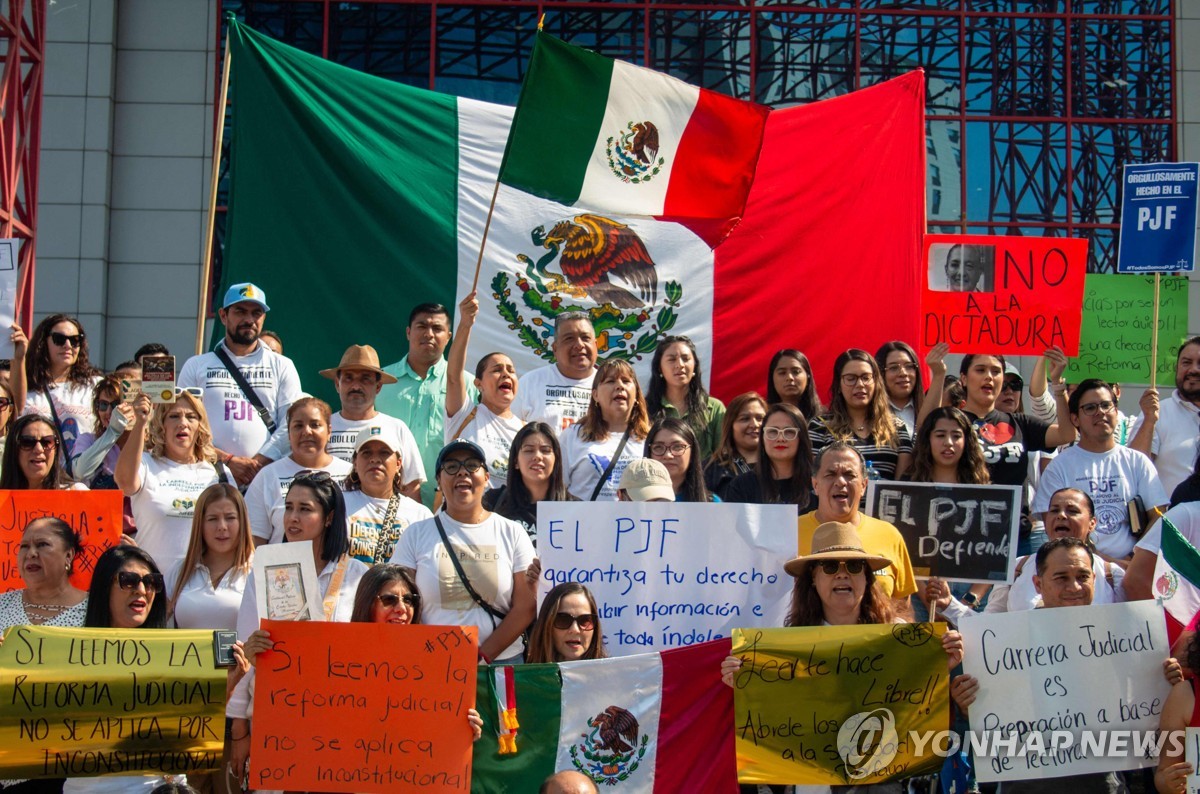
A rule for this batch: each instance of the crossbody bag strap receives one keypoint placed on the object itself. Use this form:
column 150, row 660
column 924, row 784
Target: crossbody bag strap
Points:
column 388, row 534
column 462, row 576
column 608, row 470
column 247, row 391
column 62, row 453
column 438, row 499
column 334, row 593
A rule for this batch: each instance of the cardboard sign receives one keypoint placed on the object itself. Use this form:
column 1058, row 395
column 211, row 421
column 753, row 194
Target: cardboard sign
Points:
column 95, row 515
column 158, row 378
column 1061, row 689
column 87, row 702
column 837, row 705
column 960, row 533
column 666, row 575
column 1158, row 218
column 364, row 707
column 1005, row 295
column 1114, row 340
column 285, row 582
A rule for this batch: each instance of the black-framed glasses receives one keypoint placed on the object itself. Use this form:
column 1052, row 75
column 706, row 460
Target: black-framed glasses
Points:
column 1104, row 407
column 563, row 621
column 6, row 402
column 853, row 567
column 470, row 466
column 29, row 442
column 865, row 379
column 62, row 340
column 128, row 580
column 390, row 600
column 781, row 433
column 1012, row 385
column 676, row 449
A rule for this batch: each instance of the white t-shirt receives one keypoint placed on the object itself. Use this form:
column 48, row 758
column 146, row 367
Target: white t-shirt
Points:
column 1174, row 441
column 202, row 606
column 1021, row 595
column 343, row 432
column 236, row 426
column 1111, row 478
column 268, row 490
column 1184, row 516
column 585, row 461
column 547, row 395
column 247, row 620
column 494, row 434
column 163, row 506
column 364, row 515
column 73, row 401
column 491, row 553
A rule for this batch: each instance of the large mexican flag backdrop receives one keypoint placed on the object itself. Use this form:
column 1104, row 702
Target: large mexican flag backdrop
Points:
column 353, row 199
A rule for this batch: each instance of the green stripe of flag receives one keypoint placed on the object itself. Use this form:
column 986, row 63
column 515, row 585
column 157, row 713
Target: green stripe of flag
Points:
column 539, row 699
column 1181, row 555
column 557, row 120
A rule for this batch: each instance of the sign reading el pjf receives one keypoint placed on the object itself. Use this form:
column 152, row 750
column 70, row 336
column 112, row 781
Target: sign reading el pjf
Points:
column 837, row 705
column 1006, row 295
column 668, row 575
column 961, row 533
column 1065, row 691
column 88, row 702
column 1158, row 218
column 364, row 707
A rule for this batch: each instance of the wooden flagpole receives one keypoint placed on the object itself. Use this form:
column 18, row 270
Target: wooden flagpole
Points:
column 487, row 224
column 218, row 141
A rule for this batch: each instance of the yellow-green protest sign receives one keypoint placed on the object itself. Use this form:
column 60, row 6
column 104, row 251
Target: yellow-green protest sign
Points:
column 838, row 705
column 87, row 702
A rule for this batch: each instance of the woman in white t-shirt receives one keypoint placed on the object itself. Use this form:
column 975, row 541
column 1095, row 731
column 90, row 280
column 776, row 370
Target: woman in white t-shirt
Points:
column 206, row 588
column 492, row 555
column 58, row 377
column 615, row 426
column 377, row 513
column 308, row 431
column 163, row 483
column 33, row 456
column 490, row 423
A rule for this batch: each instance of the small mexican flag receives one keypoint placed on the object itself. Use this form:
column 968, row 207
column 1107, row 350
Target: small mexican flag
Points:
column 1177, row 579
column 656, row 722
column 608, row 136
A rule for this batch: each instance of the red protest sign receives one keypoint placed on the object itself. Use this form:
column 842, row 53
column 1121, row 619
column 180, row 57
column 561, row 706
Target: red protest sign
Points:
column 95, row 515
column 364, row 707
column 1005, row 295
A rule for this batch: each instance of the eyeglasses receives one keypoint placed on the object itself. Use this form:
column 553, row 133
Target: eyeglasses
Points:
column 62, row 340
column 390, row 600
column 128, row 580
column 102, row 405
column 1012, row 385
column 676, row 449
column 1104, row 407
column 896, row 369
column 853, row 567
column 6, row 402
column 781, row 433
column 563, row 621
column 29, row 442
column 865, row 379
column 453, row 467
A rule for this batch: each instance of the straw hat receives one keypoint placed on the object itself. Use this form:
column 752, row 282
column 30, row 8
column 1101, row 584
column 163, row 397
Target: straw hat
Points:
column 359, row 357
column 835, row 541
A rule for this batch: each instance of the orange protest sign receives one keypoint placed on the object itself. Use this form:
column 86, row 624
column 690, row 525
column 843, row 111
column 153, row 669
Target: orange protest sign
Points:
column 364, row 707
column 95, row 515
column 1004, row 295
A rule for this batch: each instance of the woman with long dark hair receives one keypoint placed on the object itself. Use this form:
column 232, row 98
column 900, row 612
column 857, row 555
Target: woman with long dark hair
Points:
column 677, row 390
column 612, row 430
column 33, row 454
column 783, row 473
column 673, row 444
column 59, row 377
column 902, row 380
column 535, row 474
column 377, row 511
column 567, row 628
column 737, row 451
column 790, row 380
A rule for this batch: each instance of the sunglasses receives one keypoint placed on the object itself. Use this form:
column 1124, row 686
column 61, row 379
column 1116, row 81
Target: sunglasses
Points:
column 62, row 340
column 312, row 475
column 390, row 600
column 29, row 442
column 453, row 467
column 195, row 391
column 563, row 621
column 6, row 402
column 128, row 580
column 107, row 405
column 1012, row 385
column 853, row 567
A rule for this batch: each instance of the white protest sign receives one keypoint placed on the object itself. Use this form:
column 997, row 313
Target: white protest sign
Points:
column 667, row 574
column 1066, row 691
column 1191, row 754
column 8, row 293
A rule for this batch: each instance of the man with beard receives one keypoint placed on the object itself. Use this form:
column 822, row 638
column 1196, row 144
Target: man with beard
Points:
column 242, row 434
column 1167, row 432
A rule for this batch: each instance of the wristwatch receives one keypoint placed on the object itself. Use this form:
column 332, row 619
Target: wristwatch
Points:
column 970, row 599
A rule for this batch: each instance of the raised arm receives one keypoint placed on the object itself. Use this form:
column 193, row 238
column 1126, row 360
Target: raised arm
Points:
column 129, row 462
column 1062, row 431
column 935, row 359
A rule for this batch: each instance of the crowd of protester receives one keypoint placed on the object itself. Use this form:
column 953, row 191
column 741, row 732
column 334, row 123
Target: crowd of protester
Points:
column 425, row 454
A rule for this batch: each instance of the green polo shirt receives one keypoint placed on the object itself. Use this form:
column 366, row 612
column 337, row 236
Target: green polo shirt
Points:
column 421, row 404
column 709, row 432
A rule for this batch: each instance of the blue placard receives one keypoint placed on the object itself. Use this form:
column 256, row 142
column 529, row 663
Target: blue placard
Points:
column 1158, row 218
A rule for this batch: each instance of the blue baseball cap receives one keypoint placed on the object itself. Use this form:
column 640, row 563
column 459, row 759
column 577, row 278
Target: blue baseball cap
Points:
column 246, row 291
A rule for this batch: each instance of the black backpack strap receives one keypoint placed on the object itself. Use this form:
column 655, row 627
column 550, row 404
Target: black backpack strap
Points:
column 247, row 391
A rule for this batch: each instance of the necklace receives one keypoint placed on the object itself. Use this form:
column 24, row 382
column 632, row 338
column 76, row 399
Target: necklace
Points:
column 44, row 607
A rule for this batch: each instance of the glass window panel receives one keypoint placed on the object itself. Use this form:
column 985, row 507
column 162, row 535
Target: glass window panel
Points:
column 1102, row 248
column 710, row 49
column 617, row 34
column 297, row 24
column 892, row 45
column 943, row 153
column 1018, row 6
column 384, row 39
column 1098, row 153
column 1130, row 7
column 804, row 57
column 826, row 4
column 1015, row 66
column 1016, row 172
column 1121, row 69
column 897, row 5
column 482, row 51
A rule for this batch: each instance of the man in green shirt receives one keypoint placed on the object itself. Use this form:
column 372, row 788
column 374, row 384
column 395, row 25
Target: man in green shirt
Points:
column 418, row 397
